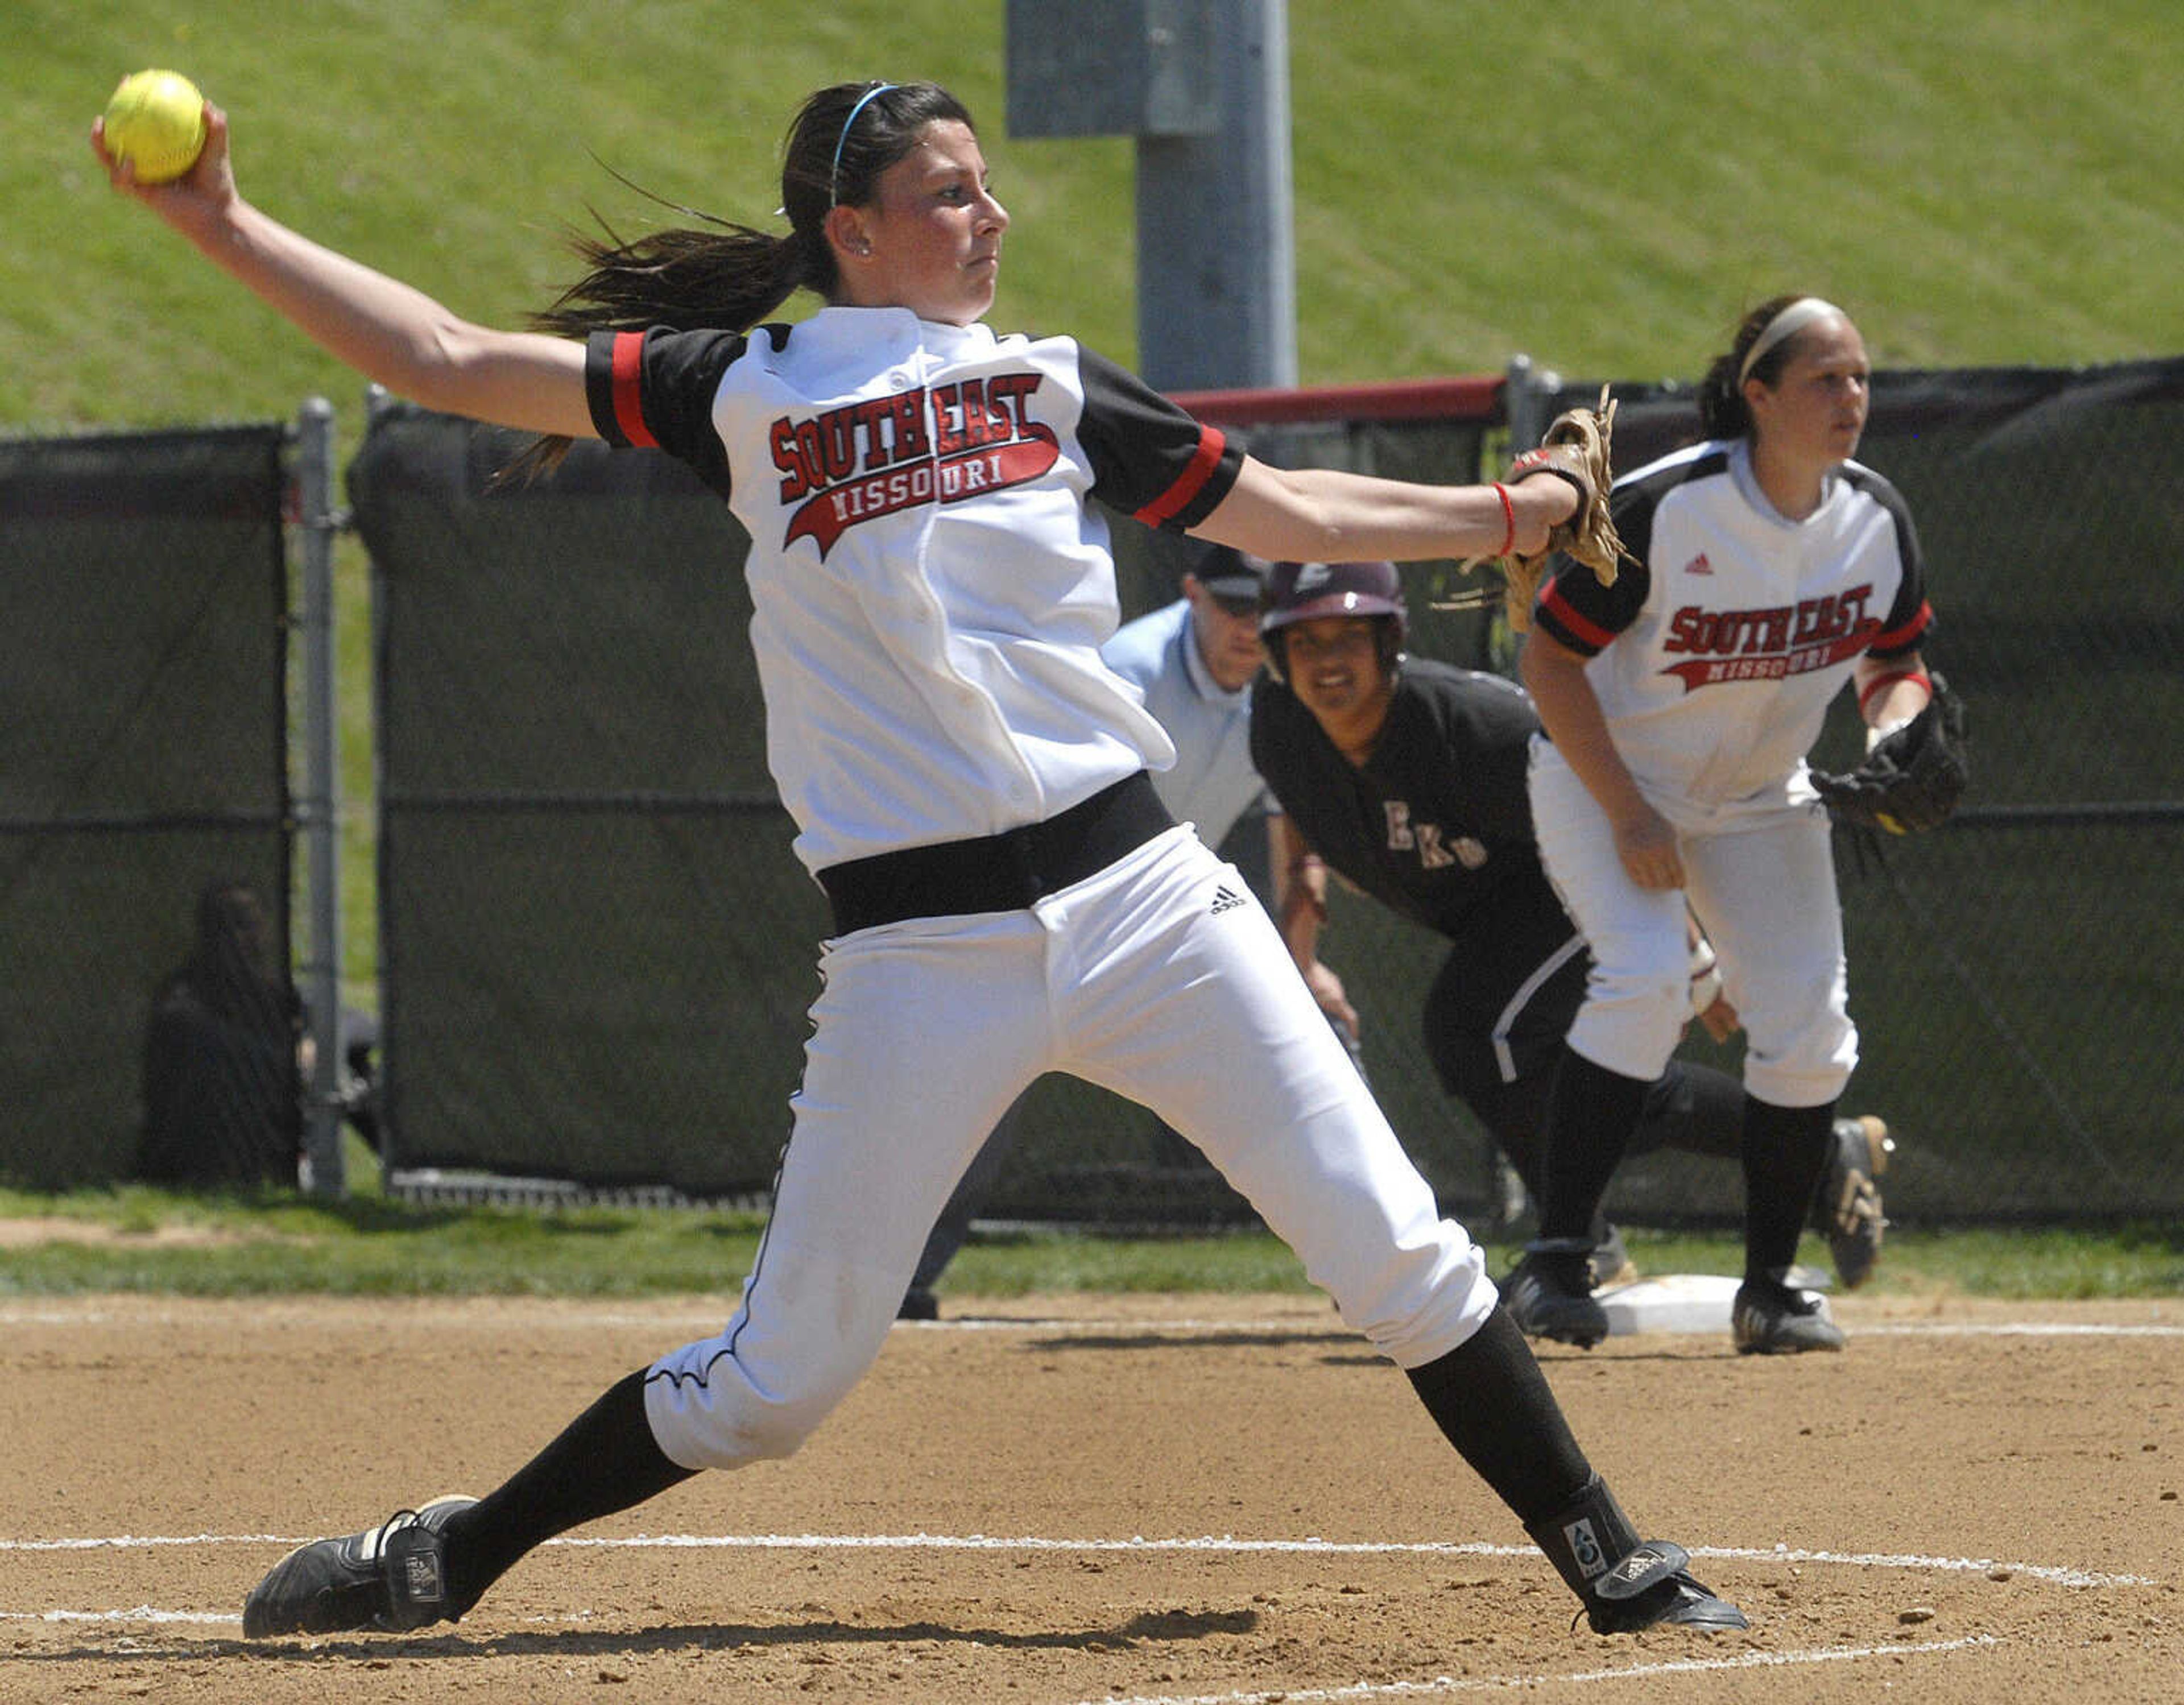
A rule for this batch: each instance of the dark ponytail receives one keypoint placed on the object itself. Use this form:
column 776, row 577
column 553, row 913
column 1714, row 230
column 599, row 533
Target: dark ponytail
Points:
column 1722, row 412
column 729, row 277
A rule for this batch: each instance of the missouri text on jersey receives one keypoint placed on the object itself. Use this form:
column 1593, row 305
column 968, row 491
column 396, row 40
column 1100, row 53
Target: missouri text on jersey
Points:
column 1770, row 644
column 918, row 446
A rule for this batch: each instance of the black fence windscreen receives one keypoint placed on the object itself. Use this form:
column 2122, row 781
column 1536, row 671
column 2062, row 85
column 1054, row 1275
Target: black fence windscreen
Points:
column 596, row 950
column 598, row 953
column 142, row 756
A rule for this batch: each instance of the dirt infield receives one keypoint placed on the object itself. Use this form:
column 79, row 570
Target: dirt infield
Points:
column 1065, row 1500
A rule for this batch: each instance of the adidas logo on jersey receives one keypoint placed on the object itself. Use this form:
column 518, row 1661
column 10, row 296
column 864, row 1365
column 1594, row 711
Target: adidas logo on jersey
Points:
column 1698, row 565
column 1226, row 899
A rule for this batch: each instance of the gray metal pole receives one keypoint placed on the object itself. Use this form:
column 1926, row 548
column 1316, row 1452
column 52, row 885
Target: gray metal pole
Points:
column 318, row 810
column 1528, row 400
column 1217, row 263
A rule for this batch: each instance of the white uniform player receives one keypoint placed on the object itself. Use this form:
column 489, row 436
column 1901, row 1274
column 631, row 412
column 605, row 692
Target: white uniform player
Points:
column 960, row 616
column 1680, row 704
column 968, row 780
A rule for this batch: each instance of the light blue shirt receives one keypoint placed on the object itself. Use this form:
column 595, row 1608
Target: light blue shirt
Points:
column 1211, row 782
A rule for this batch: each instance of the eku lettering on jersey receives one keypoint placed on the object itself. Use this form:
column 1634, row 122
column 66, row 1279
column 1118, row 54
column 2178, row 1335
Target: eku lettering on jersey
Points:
column 1430, row 841
column 919, row 446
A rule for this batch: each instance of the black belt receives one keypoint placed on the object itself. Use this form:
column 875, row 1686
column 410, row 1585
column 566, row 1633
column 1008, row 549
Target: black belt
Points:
column 1003, row 872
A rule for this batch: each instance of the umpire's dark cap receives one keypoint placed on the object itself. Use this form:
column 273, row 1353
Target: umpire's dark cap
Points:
column 1232, row 574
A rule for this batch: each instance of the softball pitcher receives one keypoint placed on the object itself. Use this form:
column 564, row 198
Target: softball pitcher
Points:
column 969, row 784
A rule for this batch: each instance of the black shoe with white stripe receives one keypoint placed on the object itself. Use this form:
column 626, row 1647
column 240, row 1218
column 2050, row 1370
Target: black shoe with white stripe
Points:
column 1770, row 1317
column 392, row 1577
column 1549, row 1294
column 1624, row 1584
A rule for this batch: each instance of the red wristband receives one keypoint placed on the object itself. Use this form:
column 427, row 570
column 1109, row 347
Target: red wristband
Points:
column 1508, row 517
column 1882, row 683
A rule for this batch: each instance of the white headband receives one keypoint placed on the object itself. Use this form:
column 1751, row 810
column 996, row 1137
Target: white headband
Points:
column 1788, row 323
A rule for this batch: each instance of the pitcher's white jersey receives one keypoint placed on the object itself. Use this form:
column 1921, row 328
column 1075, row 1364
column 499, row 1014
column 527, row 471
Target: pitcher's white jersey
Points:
column 1736, row 626
column 930, row 589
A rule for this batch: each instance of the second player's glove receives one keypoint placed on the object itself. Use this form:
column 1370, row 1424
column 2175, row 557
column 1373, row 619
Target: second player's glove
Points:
column 1912, row 779
column 1576, row 448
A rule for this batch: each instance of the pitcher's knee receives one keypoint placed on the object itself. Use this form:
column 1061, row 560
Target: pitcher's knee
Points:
column 1420, row 1308
column 710, row 1408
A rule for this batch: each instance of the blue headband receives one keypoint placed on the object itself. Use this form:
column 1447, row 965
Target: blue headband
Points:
column 834, row 172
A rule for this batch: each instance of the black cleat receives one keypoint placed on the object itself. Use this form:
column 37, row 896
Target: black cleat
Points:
column 1654, row 1588
column 392, row 1577
column 1847, row 1207
column 1548, row 1297
column 1770, row 1319
column 1624, row 1584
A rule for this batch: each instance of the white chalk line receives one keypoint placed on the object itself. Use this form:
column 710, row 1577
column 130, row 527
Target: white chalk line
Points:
column 1444, row 1685
column 2051, row 1573
column 1193, row 1326
column 2029, row 1329
column 142, row 1614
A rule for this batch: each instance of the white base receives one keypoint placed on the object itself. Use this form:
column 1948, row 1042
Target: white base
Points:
column 1679, row 1302
column 1684, row 1301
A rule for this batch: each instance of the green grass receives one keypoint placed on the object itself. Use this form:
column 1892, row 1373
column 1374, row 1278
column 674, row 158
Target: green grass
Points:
column 1981, row 180
column 134, row 1238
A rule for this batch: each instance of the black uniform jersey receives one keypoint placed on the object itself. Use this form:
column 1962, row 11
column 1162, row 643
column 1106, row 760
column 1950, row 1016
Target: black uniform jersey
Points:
column 1437, row 823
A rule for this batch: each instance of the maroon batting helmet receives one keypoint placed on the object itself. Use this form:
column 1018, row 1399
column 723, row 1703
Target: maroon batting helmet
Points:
column 1303, row 591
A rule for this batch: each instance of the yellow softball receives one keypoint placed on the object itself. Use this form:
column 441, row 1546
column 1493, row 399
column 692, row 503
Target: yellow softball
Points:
column 156, row 122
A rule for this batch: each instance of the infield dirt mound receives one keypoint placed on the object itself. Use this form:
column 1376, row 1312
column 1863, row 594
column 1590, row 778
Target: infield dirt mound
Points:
column 1058, row 1500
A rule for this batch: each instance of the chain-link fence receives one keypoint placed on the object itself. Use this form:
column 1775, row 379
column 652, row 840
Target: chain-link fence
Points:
column 597, row 950
column 143, row 758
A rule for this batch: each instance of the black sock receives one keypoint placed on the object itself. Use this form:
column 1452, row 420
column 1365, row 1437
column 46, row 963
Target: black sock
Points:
column 1589, row 1118
column 1692, row 1108
column 1786, row 1151
column 605, row 1460
column 1489, row 1397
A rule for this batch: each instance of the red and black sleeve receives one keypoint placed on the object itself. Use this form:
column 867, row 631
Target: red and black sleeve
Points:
column 1150, row 459
column 1910, row 619
column 655, row 390
column 1574, row 607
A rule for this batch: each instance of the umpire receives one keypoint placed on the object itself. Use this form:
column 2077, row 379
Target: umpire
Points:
column 1407, row 776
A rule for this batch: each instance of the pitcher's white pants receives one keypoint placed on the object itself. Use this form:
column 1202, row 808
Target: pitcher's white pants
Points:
column 1159, row 979
column 1762, row 882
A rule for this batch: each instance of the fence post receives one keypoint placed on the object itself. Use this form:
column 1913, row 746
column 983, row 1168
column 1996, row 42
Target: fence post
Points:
column 1525, row 399
column 318, row 809
column 1204, row 88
